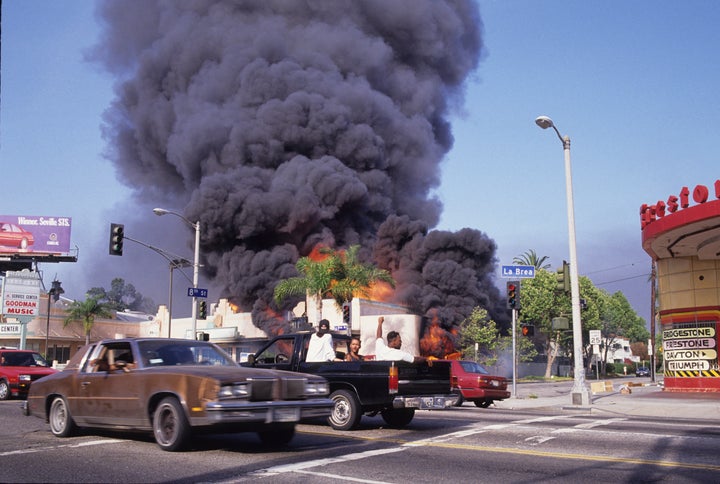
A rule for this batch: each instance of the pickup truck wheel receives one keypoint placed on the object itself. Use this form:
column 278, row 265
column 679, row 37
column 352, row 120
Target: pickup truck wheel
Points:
column 346, row 413
column 170, row 426
column 277, row 436
column 61, row 422
column 483, row 403
column 4, row 390
column 398, row 418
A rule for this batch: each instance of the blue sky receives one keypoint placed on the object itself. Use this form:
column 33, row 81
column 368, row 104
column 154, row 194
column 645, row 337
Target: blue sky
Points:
column 634, row 85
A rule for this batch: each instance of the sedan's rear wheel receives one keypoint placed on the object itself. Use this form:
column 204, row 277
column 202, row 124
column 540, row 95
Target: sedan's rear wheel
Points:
column 170, row 425
column 61, row 422
column 4, row 390
column 483, row 403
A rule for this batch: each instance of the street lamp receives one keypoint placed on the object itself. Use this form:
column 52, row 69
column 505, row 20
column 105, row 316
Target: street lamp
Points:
column 174, row 264
column 579, row 394
column 54, row 294
column 196, row 260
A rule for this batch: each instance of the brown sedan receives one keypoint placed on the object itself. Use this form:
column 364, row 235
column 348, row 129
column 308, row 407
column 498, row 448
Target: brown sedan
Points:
column 173, row 387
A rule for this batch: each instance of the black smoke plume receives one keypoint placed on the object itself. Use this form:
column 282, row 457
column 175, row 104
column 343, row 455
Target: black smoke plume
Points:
column 284, row 124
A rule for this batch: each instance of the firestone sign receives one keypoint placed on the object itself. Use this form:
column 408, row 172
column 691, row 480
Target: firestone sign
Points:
column 21, row 293
column 700, row 194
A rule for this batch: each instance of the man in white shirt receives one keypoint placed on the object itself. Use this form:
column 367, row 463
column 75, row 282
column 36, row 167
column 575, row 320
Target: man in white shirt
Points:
column 321, row 344
column 391, row 351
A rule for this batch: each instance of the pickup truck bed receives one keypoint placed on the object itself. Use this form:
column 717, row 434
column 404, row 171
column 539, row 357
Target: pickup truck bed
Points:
column 392, row 389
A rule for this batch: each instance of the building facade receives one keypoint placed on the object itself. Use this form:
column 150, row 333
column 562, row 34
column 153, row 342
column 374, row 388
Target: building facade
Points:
column 682, row 235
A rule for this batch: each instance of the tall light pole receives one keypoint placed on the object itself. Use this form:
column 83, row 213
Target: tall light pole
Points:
column 174, row 264
column 54, row 294
column 196, row 261
column 579, row 393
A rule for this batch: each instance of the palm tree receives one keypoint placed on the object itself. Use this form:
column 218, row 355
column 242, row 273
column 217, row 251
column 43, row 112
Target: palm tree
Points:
column 339, row 274
column 86, row 311
column 530, row 258
column 356, row 277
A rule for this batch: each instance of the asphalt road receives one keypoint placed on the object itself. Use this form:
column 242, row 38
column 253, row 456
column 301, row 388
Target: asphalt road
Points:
column 458, row 445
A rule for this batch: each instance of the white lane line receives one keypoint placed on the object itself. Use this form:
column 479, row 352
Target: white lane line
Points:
column 64, row 446
column 342, row 478
column 301, row 466
column 599, row 423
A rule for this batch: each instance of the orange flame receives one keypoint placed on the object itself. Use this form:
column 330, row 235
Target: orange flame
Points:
column 437, row 341
column 378, row 291
column 316, row 255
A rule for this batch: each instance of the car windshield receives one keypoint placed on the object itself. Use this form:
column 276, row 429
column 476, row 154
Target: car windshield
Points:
column 472, row 367
column 173, row 353
column 23, row 358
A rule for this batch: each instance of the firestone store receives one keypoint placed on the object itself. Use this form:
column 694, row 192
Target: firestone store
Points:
column 682, row 235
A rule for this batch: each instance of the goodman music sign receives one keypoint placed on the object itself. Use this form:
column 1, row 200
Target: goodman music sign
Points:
column 21, row 294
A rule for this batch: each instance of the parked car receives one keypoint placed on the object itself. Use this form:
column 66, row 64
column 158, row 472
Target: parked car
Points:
column 642, row 371
column 173, row 387
column 12, row 235
column 18, row 369
column 476, row 384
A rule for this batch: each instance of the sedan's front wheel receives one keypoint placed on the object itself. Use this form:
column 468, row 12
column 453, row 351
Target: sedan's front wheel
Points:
column 61, row 422
column 170, row 425
column 4, row 390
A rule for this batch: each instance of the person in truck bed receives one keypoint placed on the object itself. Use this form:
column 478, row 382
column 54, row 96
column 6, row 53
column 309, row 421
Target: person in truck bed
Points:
column 391, row 351
column 321, row 344
column 354, row 353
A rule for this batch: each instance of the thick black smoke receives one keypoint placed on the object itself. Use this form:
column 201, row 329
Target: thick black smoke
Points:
column 282, row 124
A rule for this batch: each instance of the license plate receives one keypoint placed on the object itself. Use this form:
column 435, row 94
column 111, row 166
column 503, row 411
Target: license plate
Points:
column 430, row 402
column 495, row 383
column 286, row 414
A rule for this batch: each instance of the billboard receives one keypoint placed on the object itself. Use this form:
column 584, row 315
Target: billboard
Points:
column 24, row 234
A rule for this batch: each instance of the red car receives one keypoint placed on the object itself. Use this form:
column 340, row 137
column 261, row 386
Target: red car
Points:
column 476, row 384
column 13, row 236
column 18, row 369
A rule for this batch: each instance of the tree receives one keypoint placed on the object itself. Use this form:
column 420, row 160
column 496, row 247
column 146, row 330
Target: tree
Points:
column 339, row 274
column 530, row 258
column 86, row 311
column 122, row 296
column 355, row 278
column 481, row 332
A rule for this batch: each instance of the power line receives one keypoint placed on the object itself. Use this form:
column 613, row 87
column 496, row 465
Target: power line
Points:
column 623, row 279
column 616, row 267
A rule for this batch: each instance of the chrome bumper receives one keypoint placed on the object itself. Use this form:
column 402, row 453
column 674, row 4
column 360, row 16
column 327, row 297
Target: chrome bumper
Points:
column 268, row 412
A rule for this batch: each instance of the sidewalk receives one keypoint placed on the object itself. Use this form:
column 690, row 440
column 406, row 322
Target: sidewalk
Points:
column 642, row 401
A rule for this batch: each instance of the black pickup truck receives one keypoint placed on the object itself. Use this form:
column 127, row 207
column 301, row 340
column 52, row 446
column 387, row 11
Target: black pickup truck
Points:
column 394, row 389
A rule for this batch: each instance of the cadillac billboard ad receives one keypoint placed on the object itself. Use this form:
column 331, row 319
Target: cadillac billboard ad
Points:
column 33, row 235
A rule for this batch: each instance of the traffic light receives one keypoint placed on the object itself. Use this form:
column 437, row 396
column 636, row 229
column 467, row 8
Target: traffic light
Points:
column 346, row 313
column 563, row 278
column 513, row 295
column 117, row 235
column 527, row 330
column 202, row 309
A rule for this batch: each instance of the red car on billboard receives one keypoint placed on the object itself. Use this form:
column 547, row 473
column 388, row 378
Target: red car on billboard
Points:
column 16, row 237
